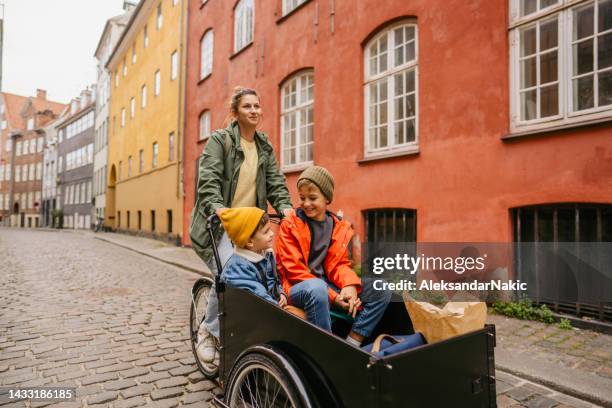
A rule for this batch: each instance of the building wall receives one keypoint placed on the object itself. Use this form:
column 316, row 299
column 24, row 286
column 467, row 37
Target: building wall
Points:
column 76, row 213
column 152, row 124
column 464, row 178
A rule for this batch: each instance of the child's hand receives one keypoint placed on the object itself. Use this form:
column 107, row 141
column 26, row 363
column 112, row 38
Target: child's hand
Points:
column 348, row 295
column 282, row 302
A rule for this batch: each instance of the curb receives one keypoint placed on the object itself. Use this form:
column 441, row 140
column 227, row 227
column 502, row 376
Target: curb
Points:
column 166, row 261
column 537, row 374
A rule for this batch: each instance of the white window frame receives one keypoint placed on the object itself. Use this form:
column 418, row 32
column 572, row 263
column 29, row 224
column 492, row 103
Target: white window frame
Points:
column 159, row 22
column 174, row 65
column 290, row 5
column 204, row 125
column 301, row 108
column 566, row 116
column 389, row 73
column 30, row 124
column 155, row 155
column 143, row 96
column 157, row 82
column 206, row 54
column 243, row 25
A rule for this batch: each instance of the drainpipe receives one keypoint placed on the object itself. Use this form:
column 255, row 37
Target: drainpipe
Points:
column 182, row 101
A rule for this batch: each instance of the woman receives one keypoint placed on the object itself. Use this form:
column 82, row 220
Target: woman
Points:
column 236, row 169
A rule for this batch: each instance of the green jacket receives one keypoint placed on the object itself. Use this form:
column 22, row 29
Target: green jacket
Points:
column 218, row 171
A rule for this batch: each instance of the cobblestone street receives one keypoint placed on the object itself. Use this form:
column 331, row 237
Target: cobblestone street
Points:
column 80, row 312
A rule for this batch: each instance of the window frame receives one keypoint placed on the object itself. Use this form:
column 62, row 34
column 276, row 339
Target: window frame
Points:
column 297, row 109
column 174, row 65
column 241, row 20
column 157, row 81
column 285, row 11
column 563, row 10
column 205, row 114
column 206, row 66
column 143, row 96
column 390, row 72
column 155, row 155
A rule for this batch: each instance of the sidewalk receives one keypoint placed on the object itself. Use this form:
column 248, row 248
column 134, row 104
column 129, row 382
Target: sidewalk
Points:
column 574, row 362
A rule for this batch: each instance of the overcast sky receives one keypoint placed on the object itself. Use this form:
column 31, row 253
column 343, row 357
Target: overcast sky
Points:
column 49, row 44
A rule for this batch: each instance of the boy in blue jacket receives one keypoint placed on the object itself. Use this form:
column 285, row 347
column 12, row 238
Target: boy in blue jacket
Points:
column 252, row 266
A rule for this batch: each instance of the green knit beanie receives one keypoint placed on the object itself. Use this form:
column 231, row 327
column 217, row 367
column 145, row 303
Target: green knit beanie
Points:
column 322, row 178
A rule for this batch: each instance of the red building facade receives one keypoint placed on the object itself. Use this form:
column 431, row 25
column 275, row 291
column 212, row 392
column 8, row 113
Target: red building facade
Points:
column 440, row 120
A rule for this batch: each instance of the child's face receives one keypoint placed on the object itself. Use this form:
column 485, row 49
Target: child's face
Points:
column 262, row 240
column 313, row 202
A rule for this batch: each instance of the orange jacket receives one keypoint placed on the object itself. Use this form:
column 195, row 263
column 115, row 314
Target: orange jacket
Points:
column 293, row 249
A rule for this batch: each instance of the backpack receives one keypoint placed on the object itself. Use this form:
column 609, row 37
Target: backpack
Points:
column 197, row 227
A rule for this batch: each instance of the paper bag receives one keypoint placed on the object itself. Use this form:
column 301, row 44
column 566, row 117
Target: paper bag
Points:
column 454, row 319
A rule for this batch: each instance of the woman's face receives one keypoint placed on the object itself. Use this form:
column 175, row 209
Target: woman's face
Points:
column 249, row 111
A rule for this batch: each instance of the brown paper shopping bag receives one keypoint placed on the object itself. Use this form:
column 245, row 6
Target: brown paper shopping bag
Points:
column 439, row 324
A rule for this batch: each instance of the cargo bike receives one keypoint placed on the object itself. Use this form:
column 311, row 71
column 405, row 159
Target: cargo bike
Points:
column 271, row 358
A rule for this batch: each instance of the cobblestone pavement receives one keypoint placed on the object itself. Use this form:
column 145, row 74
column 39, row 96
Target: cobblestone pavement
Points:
column 584, row 351
column 79, row 312
column 83, row 313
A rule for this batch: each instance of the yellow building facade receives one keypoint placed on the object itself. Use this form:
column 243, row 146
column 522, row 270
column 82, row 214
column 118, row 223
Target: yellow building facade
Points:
column 144, row 192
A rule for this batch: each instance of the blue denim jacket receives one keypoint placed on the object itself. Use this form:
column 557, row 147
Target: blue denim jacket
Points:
column 254, row 272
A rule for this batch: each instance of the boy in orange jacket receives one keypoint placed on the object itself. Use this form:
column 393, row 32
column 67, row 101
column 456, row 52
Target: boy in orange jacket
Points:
column 312, row 257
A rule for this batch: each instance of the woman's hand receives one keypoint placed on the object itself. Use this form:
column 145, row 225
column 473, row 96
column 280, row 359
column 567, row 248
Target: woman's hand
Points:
column 287, row 212
column 348, row 295
column 220, row 210
column 282, row 302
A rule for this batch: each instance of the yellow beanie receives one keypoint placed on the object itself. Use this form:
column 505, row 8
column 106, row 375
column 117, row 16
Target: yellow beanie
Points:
column 240, row 223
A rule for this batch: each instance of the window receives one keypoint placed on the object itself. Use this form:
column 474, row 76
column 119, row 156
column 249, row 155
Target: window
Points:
column 134, row 54
column 205, row 125
column 3, row 124
column 18, row 148
column 132, row 108
column 145, row 37
column 116, row 79
column 122, row 117
column 171, row 147
column 297, row 118
column 118, row 219
column 143, row 96
column 160, row 17
column 152, row 220
column 17, row 173
column 545, row 235
column 139, row 219
column 243, row 24
column 169, row 221
column 157, row 82
column 38, row 171
column 206, row 54
column 141, row 160
column 39, row 144
column 32, row 172
column 30, row 124
column 290, row 5
column 26, row 146
column 390, row 225
column 33, row 146
column 124, row 68
column 174, row 2
column 561, row 56
column 128, row 220
column 129, row 164
column 174, row 65
column 119, row 172
column 155, row 153
column 391, row 71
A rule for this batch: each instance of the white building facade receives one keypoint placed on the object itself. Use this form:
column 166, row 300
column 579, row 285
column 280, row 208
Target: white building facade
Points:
column 112, row 31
